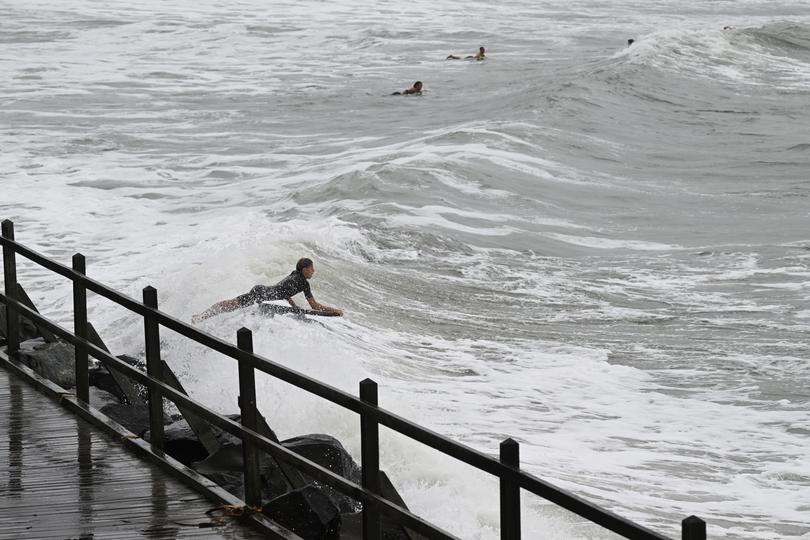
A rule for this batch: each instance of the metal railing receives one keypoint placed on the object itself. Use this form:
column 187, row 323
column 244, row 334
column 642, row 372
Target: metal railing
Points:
column 507, row 468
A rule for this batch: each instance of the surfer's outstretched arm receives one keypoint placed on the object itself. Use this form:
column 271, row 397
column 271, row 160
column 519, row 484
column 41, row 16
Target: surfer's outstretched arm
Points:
column 320, row 307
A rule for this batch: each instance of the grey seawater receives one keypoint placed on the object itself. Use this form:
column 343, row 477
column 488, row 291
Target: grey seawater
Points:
column 600, row 250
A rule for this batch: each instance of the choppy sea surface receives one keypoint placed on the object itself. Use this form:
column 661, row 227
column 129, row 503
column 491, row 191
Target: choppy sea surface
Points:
column 601, row 251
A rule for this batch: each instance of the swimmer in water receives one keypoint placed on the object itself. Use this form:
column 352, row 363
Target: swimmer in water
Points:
column 480, row 55
column 415, row 90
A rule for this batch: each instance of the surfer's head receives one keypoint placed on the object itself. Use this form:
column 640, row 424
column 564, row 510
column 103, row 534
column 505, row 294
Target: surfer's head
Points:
column 305, row 266
column 417, row 86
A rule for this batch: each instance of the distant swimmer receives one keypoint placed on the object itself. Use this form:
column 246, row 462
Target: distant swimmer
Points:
column 630, row 41
column 415, row 90
column 480, row 55
column 296, row 282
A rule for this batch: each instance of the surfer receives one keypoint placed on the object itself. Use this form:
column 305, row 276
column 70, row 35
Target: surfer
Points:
column 415, row 90
column 296, row 282
column 480, row 55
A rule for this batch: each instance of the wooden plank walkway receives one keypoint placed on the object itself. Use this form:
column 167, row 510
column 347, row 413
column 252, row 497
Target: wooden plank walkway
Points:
column 61, row 478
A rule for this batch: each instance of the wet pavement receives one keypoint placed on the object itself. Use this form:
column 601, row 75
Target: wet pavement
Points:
column 61, row 478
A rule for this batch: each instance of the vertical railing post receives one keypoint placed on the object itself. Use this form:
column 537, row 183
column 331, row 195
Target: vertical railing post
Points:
column 693, row 528
column 510, row 493
column 80, row 328
column 10, row 277
column 247, row 407
column 370, row 460
column 154, row 369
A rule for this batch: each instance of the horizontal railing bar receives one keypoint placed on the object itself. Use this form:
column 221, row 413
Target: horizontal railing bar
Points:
column 38, row 258
column 413, row 431
column 585, row 509
column 275, row 449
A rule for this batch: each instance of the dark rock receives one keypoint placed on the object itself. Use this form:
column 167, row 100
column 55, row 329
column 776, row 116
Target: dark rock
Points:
column 225, row 468
column 135, row 392
column 329, row 453
column 182, row 443
column 223, row 437
column 133, row 417
column 27, row 329
column 113, row 381
column 41, row 330
column 100, row 378
column 180, row 435
column 54, row 361
column 307, row 512
column 200, row 426
column 100, row 398
column 351, row 526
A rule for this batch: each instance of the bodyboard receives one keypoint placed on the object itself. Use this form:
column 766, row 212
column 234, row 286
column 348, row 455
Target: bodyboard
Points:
column 275, row 309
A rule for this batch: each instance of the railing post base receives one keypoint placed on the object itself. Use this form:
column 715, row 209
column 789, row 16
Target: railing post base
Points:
column 693, row 528
column 249, row 413
column 80, row 329
column 154, row 369
column 10, row 278
column 370, row 460
column 510, row 493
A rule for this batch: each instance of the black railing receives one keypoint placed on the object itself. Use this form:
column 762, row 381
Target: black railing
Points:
column 507, row 469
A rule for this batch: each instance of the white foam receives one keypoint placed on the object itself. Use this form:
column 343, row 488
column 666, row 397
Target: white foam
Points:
column 725, row 55
column 609, row 243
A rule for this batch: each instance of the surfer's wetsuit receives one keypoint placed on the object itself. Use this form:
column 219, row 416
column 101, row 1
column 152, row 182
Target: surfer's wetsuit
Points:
column 284, row 289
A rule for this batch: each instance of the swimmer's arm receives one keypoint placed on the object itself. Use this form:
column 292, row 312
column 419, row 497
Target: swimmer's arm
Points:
column 320, row 307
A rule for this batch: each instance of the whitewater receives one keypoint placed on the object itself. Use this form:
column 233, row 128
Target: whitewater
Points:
column 600, row 250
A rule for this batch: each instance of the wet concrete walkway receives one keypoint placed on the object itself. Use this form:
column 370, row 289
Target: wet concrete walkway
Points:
column 61, row 478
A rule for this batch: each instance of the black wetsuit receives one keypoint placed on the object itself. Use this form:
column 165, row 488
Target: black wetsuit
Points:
column 284, row 289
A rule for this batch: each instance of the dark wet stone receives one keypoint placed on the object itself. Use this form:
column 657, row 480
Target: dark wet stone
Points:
column 27, row 329
column 308, row 512
column 225, row 468
column 54, row 361
column 133, row 417
column 329, row 453
column 100, row 378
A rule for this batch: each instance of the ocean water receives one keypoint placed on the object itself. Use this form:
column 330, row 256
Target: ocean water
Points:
column 601, row 251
